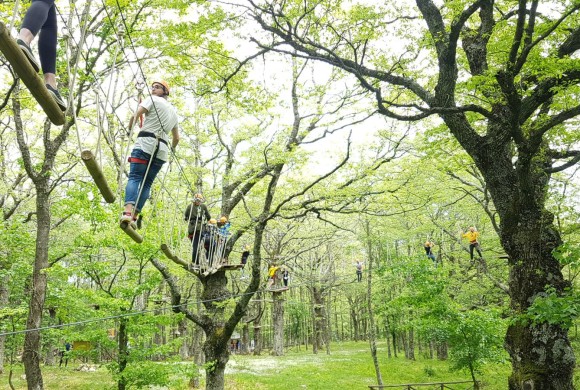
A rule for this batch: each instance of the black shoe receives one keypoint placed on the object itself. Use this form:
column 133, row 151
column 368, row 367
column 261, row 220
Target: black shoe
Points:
column 139, row 221
column 28, row 53
column 57, row 98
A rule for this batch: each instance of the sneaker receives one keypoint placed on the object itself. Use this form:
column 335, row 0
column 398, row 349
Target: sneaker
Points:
column 139, row 221
column 57, row 98
column 127, row 218
column 28, row 53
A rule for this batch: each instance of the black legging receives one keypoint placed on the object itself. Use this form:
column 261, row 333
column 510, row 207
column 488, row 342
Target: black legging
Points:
column 41, row 16
column 474, row 245
column 195, row 240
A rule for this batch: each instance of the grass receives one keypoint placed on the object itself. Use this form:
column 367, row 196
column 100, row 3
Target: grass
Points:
column 349, row 366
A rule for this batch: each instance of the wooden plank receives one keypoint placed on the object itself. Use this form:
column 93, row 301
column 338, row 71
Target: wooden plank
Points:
column 97, row 175
column 126, row 226
column 278, row 289
column 232, row 267
column 31, row 79
column 407, row 385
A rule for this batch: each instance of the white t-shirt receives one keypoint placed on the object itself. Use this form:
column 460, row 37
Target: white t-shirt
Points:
column 160, row 119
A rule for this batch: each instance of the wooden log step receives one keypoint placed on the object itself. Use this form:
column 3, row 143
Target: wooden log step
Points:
column 31, row 79
column 126, row 226
column 97, row 175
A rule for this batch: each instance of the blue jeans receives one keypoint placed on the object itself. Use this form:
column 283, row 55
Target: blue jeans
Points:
column 136, row 179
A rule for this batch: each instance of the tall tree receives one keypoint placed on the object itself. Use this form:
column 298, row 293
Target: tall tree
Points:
column 502, row 78
column 253, row 191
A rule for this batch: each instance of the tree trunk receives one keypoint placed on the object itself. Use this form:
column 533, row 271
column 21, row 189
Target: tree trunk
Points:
column 123, row 352
column 394, row 340
column 328, row 328
column 541, row 354
column 31, row 355
column 198, row 355
column 183, row 350
column 278, row 323
column 442, row 351
column 404, row 343
column 245, row 339
column 355, row 322
column 216, row 357
column 372, row 327
column 257, row 337
column 49, row 347
column 411, row 354
column 542, row 357
column 319, row 319
column 4, row 299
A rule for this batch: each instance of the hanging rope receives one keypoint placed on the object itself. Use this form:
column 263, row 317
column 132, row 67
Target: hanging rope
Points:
column 14, row 13
column 125, row 153
column 99, row 126
column 72, row 80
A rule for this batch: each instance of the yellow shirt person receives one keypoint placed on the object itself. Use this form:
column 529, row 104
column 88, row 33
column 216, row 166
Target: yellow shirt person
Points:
column 472, row 235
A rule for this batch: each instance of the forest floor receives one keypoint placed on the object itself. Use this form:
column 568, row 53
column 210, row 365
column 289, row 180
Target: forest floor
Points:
column 349, row 366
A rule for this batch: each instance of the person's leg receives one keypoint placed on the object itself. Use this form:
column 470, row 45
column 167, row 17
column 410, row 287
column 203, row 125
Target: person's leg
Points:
column 471, row 246
column 478, row 248
column 136, row 174
column 210, row 250
column 35, row 18
column 154, row 169
column 47, row 41
column 195, row 248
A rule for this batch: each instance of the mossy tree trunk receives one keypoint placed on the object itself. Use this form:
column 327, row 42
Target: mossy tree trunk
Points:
column 123, row 357
column 31, row 356
column 278, row 323
column 4, row 299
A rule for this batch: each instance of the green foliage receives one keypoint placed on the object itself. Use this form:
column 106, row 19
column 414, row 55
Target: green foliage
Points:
column 554, row 309
column 146, row 373
column 475, row 339
column 429, row 371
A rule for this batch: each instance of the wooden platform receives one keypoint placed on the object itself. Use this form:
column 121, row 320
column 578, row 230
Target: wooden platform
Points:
column 231, row 267
column 31, row 79
column 278, row 289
